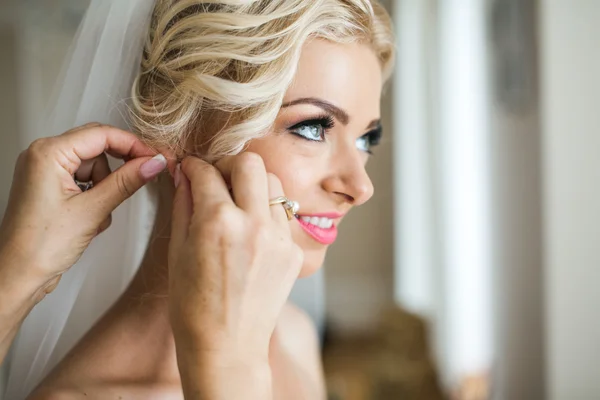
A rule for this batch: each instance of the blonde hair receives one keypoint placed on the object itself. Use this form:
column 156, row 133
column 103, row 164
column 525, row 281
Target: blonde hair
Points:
column 214, row 73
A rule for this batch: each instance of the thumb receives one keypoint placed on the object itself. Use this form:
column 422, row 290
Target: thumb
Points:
column 124, row 182
column 183, row 210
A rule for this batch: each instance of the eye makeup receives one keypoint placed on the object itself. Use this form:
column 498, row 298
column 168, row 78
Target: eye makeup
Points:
column 313, row 129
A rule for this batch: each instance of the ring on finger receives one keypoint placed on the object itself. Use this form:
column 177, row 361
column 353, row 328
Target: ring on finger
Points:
column 291, row 207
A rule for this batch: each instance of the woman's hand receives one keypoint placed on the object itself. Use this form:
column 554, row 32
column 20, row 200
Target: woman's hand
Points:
column 49, row 221
column 232, row 265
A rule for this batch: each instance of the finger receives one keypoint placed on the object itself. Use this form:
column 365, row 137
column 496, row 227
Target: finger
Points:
column 171, row 156
column 276, row 190
column 181, row 216
column 94, row 170
column 249, row 183
column 207, row 185
column 122, row 184
column 85, row 144
column 85, row 126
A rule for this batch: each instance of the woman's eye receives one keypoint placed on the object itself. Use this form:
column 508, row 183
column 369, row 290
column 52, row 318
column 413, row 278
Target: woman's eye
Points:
column 314, row 129
column 363, row 143
column 314, row 132
column 369, row 140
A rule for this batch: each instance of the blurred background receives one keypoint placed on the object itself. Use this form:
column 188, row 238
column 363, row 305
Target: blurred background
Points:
column 473, row 273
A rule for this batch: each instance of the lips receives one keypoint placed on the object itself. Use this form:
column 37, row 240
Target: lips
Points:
column 321, row 228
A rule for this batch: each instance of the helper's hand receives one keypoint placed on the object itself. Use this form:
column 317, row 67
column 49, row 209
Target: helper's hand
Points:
column 232, row 265
column 49, row 221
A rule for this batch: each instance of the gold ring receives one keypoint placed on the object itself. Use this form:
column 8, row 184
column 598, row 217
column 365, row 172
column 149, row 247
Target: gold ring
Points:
column 290, row 207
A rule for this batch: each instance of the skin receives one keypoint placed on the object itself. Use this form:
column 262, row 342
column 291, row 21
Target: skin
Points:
column 279, row 356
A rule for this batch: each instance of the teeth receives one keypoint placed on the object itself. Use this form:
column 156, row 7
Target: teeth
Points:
column 323, row 223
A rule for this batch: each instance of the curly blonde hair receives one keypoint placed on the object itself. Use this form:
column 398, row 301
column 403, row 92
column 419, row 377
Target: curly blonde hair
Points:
column 214, row 72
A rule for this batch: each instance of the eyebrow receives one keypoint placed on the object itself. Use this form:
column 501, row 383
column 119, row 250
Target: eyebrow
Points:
column 340, row 114
column 376, row 123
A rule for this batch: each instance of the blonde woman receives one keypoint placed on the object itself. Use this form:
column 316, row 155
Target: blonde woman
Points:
column 272, row 109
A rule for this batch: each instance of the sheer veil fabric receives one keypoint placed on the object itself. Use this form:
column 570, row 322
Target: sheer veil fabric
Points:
column 94, row 86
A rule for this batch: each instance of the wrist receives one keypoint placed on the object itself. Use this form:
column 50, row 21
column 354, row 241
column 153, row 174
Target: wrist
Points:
column 224, row 375
column 18, row 296
column 21, row 283
column 217, row 343
column 220, row 353
column 226, row 360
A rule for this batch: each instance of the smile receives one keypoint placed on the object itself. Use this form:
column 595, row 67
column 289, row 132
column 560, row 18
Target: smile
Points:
column 322, row 229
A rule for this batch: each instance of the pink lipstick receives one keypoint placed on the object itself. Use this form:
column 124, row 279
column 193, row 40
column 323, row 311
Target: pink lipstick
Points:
column 320, row 227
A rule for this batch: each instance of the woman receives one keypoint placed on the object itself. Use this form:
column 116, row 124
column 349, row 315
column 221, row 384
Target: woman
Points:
column 282, row 97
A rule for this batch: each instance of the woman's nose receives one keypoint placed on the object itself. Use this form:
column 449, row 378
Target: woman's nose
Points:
column 350, row 179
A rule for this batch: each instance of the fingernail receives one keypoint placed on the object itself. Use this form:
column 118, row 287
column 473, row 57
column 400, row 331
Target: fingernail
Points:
column 151, row 168
column 177, row 177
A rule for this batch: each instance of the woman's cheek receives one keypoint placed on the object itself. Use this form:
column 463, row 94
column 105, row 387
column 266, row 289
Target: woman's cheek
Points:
column 294, row 165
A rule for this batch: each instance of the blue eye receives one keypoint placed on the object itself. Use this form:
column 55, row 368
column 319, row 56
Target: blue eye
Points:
column 311, row 132
column 314, row 129
column 368, row 141
column 363, row 144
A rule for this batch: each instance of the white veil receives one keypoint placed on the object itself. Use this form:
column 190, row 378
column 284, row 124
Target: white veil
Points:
column 96, row 81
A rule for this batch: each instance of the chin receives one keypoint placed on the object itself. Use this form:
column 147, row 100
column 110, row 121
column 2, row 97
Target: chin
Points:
column 313, row 261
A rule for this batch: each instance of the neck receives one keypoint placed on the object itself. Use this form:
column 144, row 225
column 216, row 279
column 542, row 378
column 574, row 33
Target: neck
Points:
column 152, row 279
column 143, row 308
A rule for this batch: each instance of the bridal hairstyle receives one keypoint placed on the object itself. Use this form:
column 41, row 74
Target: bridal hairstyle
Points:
column 214, row 73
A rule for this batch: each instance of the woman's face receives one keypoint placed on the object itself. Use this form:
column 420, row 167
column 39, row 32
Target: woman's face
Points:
column 321, row 140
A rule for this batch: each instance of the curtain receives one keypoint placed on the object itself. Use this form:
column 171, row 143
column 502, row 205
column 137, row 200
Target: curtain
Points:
column 442, row 234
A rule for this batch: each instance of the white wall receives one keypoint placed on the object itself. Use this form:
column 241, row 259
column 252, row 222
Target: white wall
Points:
column 570, row 36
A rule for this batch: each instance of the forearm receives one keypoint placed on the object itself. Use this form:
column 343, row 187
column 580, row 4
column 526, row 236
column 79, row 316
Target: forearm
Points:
column 19, row 293
column 222, row 378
